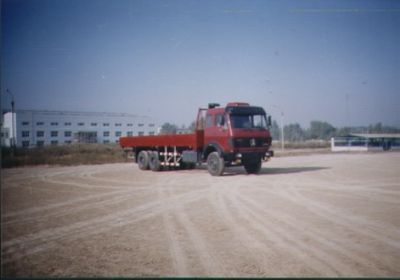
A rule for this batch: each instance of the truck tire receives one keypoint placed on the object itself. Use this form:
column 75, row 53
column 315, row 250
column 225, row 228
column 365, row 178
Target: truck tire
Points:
column 154, row 161
column 143, row 160
column 215, row 164
column 252, row 167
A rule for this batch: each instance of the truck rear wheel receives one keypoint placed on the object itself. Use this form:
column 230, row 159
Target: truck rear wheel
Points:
column 154, row 161
column 252, row 167
column 215, row 164
column 143, row 160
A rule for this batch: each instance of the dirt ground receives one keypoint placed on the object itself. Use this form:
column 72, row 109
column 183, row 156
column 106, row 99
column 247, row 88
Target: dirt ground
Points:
column 316, row 215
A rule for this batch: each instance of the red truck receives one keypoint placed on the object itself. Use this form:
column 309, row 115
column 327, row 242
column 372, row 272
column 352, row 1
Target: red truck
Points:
column 235, row 135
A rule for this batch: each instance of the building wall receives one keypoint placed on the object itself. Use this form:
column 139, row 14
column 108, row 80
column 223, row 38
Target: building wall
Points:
column 5, row 137
column 36, row 128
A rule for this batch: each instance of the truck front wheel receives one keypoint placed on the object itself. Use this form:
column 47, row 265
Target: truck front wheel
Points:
column 154, row 162
column 143, row 160
column 252, row 167
column 215, row 164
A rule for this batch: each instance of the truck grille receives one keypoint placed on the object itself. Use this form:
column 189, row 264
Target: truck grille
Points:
column 251, row 142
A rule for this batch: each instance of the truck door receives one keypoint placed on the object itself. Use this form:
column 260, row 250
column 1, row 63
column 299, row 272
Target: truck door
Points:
column 222, row 131
column 216, row 131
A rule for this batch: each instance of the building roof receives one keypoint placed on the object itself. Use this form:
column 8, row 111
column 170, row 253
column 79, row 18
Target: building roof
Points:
column 78, row 113
column 376, row 135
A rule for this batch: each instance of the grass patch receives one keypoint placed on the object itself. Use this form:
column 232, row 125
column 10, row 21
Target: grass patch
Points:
column 63, row 155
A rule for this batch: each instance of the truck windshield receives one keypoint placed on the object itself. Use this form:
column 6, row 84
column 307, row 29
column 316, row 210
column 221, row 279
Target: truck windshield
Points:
column 248, row 121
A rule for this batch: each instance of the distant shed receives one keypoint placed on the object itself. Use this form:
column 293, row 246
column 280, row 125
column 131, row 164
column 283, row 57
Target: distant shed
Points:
column 366, row 142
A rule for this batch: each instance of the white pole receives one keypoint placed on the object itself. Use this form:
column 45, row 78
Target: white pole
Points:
column 283, row 134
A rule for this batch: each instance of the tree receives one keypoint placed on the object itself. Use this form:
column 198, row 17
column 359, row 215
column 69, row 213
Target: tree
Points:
column 294, row 132
column 275, row 131
column 168, row 128
column 321, row 130
column 344, row 131
column 377, row 128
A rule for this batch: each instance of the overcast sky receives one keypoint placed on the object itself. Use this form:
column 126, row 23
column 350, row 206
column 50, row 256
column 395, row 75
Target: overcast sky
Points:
column 336, row 61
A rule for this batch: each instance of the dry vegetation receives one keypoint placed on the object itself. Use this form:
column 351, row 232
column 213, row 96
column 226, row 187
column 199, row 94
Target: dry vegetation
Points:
column 64, row 155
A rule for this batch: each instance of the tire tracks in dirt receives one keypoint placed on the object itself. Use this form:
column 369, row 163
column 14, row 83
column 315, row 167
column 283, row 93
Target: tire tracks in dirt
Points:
column 202, row 249
column 290, row 190
column 312, row 258
column 48, row 238
column 177, row 253
column 357, row 224
column 243, row 235
column 337, row 251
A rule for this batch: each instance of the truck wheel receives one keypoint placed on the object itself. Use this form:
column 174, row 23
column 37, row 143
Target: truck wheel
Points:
column 143, row 160
column 154, row 161
column 252, row 167
column 215, row 164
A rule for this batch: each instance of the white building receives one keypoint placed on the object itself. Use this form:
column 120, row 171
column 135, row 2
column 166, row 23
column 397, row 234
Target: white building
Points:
column 40, row 128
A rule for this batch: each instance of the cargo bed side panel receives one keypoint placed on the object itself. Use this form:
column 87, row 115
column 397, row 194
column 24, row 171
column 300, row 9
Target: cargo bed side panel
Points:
column 178, row 140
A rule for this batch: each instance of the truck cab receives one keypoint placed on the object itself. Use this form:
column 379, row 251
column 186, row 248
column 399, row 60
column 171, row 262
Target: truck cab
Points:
column 238, row 134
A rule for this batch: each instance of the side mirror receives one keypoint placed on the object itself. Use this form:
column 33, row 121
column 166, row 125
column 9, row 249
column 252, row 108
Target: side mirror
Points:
column 269, row 121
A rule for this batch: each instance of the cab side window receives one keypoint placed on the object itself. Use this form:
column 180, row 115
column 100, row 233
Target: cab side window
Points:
column 209, row 121
column 220, row 120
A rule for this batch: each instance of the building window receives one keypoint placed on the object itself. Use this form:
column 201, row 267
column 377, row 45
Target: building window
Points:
column 54, row 123
column 25, row 133
column 39, row 123
column 67, row 133
column 141, row 133
column 25, row 123
column 151, row 133
column 151, row 125
column 39, row 133
column 68, row 142
column 93, row 124
column 118, row 133
column 40, row 143
column 141, row 124
column 118, row 124
column 25, row 144
column 129, row 124
column 54, row 142
column 67, row 124
column 106, row 133
column 54, row 134
column 81, row 124
column 129, row 133
column 106, row 141
column 106, row 124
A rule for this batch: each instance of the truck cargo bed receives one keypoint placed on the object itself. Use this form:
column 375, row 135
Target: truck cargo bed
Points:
column 193, row 141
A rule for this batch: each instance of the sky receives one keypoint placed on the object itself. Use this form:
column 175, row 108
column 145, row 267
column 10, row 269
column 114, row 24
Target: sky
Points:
column 334, row 61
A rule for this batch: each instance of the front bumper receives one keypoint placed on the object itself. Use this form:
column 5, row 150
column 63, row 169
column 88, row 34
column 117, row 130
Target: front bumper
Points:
column 238, row 157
